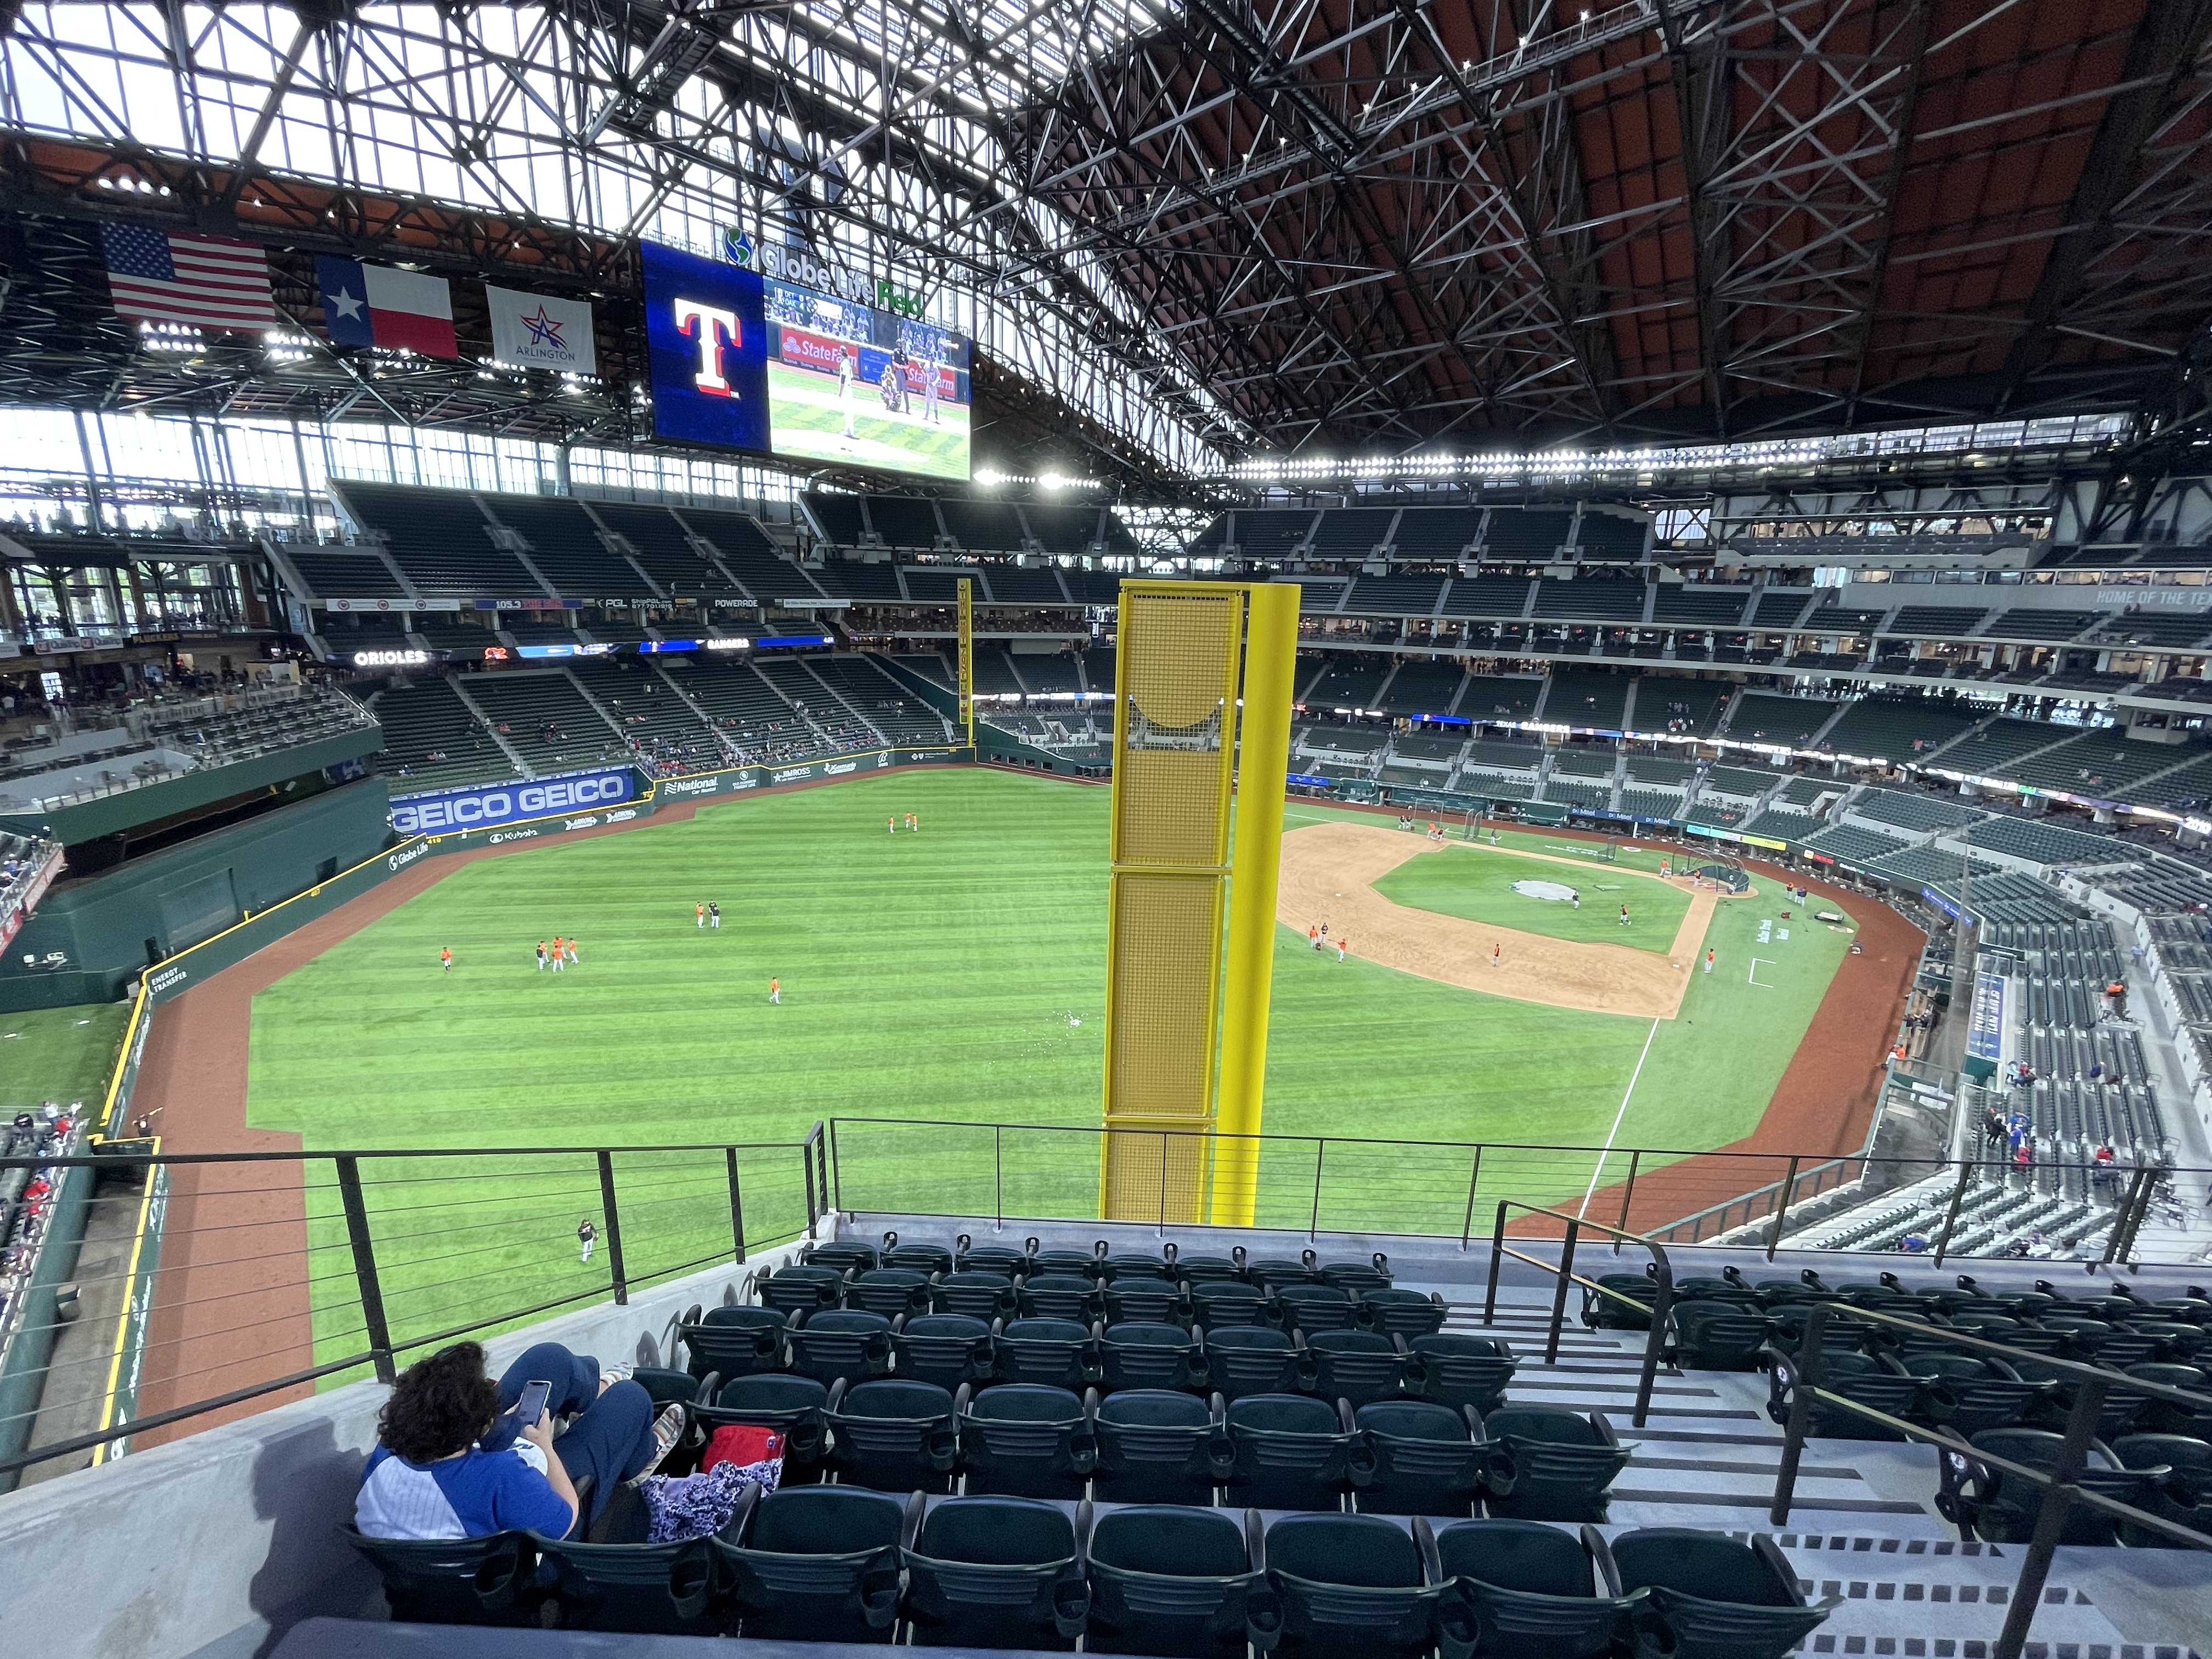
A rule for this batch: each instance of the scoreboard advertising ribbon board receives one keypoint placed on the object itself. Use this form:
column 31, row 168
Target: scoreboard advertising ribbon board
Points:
column 441, row 812
column 744, row 361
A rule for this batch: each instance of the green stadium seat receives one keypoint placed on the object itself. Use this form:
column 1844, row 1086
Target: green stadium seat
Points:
column 1427, row 1458
column 946, row 1349
column 1718, row 1598
column 647, row 1589
column 1081, row 1264
column 979, row 1295
column 1060, row 1295
column 1143, row 1355
column 1609, row 1313
column 1790, row 1319
column 1973, row 1392
column 1538, row 1592
column 792, row 1291
column 1403, row 1313
column 734, row 1342
column 1178, row 1583
column 455, row 1581
column 1361, row 1276
column 1289, row 1452
column 1544, row 1463
column 1227, row 1301
column 669, row 1388
column 1351, row 1587
column 1983, row 1502
column 837, row 1346
column 1211, row 1269
column 1879, row 1383
column 890, row 1291
column 794, row 1405
column 988, row 1258
column 1144, row 1302
column 893, row 1436
column 2170, row 1417
column 820, row 1563
column 1121, row 1265
column 1718, row 1336
column 2183, row 1493
column 1059, row 1353
column 1025, row 1441
column 1270, row 1275
column 923, row 1259
column 1317, row 1307
column 1461, row 1371
column 1156, row 1446
column 841, row 1255
column 1241, row 1359
column 995, row 1572
column 1357, row 1366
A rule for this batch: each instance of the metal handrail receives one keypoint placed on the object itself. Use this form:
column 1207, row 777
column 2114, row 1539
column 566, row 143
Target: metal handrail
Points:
column 1660, row 1305
column 2061, row 1484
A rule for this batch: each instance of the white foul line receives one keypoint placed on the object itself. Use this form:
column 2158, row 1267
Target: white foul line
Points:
column 1616, row 1117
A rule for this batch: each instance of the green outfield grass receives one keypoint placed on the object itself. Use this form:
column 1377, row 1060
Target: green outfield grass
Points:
column 59, row 1054
column 929, row 976
column 1476, row 882
column 808, row 419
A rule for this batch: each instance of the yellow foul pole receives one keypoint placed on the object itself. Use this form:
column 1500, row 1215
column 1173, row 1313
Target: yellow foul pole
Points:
column 1271, row 650
column 966, row 707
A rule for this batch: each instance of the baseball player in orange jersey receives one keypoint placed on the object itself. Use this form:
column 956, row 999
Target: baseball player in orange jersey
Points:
column 1497, row 956
column 699, row 914
column 556, row 953
column 1312, row 936
column 446, row 957
column 775, row 990
column 891, row 824
column 1709, row 962
column 571, row 945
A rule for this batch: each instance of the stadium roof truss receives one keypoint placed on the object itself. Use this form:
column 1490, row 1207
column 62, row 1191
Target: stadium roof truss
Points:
column 1215, row 227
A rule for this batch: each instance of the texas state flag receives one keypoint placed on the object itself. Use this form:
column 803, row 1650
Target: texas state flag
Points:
column 376, row 306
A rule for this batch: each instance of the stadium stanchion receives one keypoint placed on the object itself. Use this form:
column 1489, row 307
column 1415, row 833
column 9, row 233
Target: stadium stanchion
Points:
column 1466, row 1225
column 736, row 1204
column 1805, row 1379
column 1313, row 1227
column 1628, row 1194
column 1950, row 1217
column 614, row 1228
column 2051, row 1517
column 364, row 1267
column 836, row 1170
column 999, row 1177
column 1782, row 1209
column 1560, row 1296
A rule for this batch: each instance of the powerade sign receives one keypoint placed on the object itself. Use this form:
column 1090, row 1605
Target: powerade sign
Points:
column 441, row 812
column 706, row 336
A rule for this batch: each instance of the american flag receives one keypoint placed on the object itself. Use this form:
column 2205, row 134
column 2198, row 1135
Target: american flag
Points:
column 178, row 277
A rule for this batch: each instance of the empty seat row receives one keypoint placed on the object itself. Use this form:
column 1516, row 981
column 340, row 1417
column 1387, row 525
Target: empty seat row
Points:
column 1098, row 1262
column 831, row 1563
column 839, row 1345
column 1159, row 1446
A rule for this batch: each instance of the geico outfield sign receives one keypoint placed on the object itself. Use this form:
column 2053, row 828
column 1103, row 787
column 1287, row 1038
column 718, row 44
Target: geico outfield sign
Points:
column 441, row 811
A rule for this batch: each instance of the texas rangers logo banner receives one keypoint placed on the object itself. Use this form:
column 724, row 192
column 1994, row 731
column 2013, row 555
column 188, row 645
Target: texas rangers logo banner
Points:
column 707, row 338
column 532, row 331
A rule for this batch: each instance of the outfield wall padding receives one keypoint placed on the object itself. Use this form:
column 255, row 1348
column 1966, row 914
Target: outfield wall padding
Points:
column 179, row 896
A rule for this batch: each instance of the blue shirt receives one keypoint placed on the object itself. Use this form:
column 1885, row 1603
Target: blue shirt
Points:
column 472, row 1496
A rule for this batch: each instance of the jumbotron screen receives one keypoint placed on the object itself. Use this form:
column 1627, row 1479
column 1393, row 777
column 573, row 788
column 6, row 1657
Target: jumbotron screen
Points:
column 747, row 363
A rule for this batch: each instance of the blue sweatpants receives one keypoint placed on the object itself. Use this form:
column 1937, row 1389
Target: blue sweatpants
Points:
column 612, row 1437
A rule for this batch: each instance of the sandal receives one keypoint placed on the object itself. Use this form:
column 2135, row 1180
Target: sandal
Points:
column 668, row 1432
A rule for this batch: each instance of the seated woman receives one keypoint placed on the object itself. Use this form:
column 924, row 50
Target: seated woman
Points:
column 448, row 1465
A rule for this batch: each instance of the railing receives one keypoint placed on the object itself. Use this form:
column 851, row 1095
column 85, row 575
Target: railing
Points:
column 2061, row 1484
column 1654, row 1310
column 1772, row 1202
column 1430, row 1188
column 225, row 1279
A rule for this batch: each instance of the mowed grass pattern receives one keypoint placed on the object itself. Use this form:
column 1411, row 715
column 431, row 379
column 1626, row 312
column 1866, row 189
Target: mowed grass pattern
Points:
column 929, row 976
column 1476, row 883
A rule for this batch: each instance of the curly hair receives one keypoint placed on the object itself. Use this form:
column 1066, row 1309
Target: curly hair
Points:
column 439, row 1405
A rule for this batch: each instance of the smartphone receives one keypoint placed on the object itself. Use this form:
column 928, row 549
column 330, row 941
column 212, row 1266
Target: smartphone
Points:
column 532, row 1406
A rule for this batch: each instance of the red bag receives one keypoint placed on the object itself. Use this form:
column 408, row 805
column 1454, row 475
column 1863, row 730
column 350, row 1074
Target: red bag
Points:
column 743, row 1443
